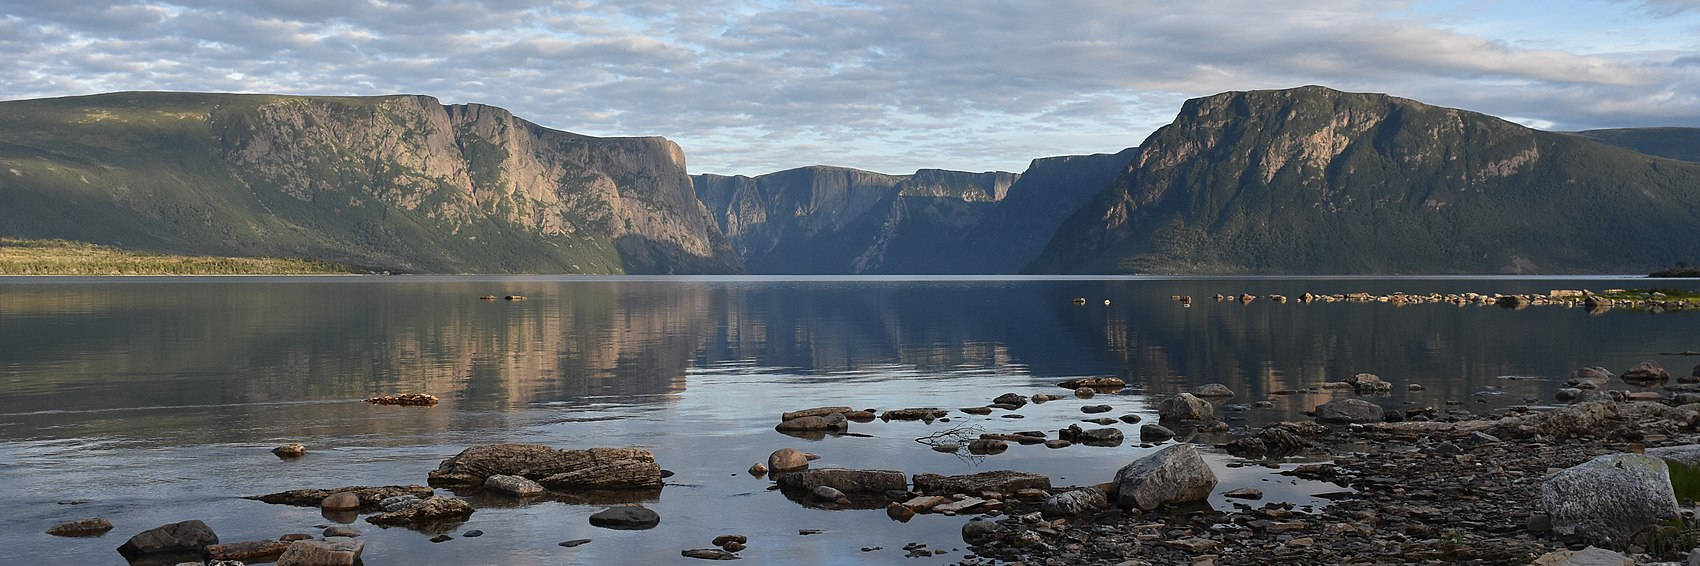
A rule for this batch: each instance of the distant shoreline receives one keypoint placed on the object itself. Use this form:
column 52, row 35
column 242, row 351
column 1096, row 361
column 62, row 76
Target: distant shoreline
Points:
column 49, row 258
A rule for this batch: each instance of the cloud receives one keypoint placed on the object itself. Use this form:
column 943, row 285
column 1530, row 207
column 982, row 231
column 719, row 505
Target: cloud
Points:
column 886, row 85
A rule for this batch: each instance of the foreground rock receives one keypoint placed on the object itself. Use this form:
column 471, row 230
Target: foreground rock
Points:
column 248, row 551
column 177, row 538
column 852, row 482
column 1176, row 474
column 1609, row 499
column 626, row 518
column 834, row 422
column 432, row 513
column 405, row 400
column 596, row 468
column 369, row 496
column 84, row 528
column 1591, row 556
column 331, row 551
column 1185, row 407
column 787, row 460
column 1001, row 481
column 1349, row 411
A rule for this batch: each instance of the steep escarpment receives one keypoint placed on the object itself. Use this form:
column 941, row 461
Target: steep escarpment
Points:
column 1313, row 180
column 393, row 182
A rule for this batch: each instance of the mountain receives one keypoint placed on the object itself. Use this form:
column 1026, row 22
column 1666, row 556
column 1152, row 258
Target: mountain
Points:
column 834, row 220
column 390, row 182
column 1675, row 143
column 1314, row 180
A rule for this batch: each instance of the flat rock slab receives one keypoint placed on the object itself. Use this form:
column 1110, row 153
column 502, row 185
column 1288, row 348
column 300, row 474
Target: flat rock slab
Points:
column 433, row 512
column 248, row 551
column 846, row 480
column 596, row 468
column 628, row 518
column 1001, row 481
column 369, row 496
column 959, row 505
column 815, row 412
column 708, row 554
column 331, row 551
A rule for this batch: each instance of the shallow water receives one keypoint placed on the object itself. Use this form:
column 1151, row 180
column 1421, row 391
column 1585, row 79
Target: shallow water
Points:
column 155, row 400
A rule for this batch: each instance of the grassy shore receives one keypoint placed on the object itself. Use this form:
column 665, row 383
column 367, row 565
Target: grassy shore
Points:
column 61, row 257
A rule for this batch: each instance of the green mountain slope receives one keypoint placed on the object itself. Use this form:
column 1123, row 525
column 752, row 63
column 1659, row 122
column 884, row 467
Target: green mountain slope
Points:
column 1675, row 143
column 1313, row 180
column 391, row 182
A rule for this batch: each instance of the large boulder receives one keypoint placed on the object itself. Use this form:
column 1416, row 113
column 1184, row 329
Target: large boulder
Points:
column 596, row 468
column 1646, row 373
column 1074, row 502
column 1176, row 474
column 177, row 538
column 1001, row 481
column 1185, row 407
column 1594, row 377
column 1349, row 411
column 432, row 513
column 330, row 551
column 1608, row 499
column 846, row 480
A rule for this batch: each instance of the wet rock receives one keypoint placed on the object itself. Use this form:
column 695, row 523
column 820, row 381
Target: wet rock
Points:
column 1014, row 399
column 405, row 400
column 787, row 460
column 1098, row 382
column 516, row 486
column 1100, row 421
column 1176, row 474
column 574, row 543
column 472, row 533
column 948, row 447
column 248, row 551
column 1001, row 481
column 977, row 410
column 986, row 446
column 1244, row 493
column 1185, row 407
column 175, row 538
column 85, row 528
column 1058, row 443
column 430, row 513
column 369, row 496
column 626, row 518
column 723, row 540
column 1368, row 383
column 291, row 450
column 340, row 501
column 1349, row 411
column 899, row 512
column 849, row 481
column 331, row 551
column 1085, row 392
column 913, row 414
column 596, row 468
column 815, row 412
column 1212, row 390
column 708, row 554
column 1155, row 433
column 1590, row 556
column 397, row 503
column 1608, row 499
column 1646, row 373
column 1589, row 378
column 1130, row 419
column 835, row 422
column 1074, row 502
column 828, row 494
column 341, row 532
column 979, row 532
column 1099, row 437
column 758, row 470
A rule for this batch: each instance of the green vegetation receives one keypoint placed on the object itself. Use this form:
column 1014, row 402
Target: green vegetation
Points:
column 1680, row 269
column 61, row 257
column 1675, row 143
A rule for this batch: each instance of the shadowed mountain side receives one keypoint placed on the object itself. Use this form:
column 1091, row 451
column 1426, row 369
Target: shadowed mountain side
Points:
column 1313, row 180
column 1675, row 143
column 389, row 182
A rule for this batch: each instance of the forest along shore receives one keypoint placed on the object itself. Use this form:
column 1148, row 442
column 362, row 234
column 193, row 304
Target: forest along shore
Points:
column 1651, row 300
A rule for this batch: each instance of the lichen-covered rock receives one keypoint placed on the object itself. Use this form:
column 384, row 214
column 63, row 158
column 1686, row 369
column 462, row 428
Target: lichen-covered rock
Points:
column 175, row 538
column 846, row 480
column 330, row 551
column 1608, row 499
column 1349, row 411
column 596, row 468
column 433, row 512
column 1074, row 502
column 1176, row 474
column 1001, row 481
column 1185, row 407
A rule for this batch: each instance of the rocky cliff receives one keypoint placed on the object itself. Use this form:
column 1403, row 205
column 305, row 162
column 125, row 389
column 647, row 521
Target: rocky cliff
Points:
column 393, row 182
column 1313, row 180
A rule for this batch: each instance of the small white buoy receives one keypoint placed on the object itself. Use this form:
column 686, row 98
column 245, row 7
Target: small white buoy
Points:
column 1106, row 302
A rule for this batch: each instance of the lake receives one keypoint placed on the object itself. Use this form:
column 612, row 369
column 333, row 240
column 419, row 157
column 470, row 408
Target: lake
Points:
column 154, row 400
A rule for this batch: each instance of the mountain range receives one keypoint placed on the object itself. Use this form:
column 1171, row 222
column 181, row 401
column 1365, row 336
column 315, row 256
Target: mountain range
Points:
column 1303, row 180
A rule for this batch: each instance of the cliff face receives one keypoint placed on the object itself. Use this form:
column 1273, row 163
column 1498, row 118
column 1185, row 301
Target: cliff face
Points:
column 394, row 182
column 1312, row 180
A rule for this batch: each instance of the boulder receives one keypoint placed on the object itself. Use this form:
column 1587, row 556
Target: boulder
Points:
column 856, row 482
column 1608, row 499
column 176, row 538
column 248, row 551
column 369, row 496
column 1589, row 378
column 596, row 468
column 340, row 501
column 1001, row 481
column 1591, row 556
column 1349, row 411
column 1185, row 407
column 331, row 551
column 1686, row 454
column 986, row 446
column 1646, row 373
column 1074, row 502
column 291, row 450
column 626, row 518
column 1155, row 433
column 976, row 532
column 516, row 486
column 1085, row 392
column 1212, row 390
column 1094, row 409
column 834, row 422
column 1368, row 383
column 1176, row 474
column 1014, row 399
column 787, row 460
column 433, row 512
column 1099, row 437
column 84, row 528
column 815, row 412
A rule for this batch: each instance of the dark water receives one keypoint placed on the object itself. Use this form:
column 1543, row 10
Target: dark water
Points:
column 157, row 400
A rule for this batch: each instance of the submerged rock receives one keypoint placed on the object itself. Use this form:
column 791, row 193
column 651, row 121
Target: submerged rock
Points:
column 433, row 512
column 595, row 468
column 1176, row 474
column 176, row 538
column 1608, row 499
column 85, row 528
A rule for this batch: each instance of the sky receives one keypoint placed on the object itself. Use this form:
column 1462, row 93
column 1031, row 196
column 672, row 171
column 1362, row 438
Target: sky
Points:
column 755, row 87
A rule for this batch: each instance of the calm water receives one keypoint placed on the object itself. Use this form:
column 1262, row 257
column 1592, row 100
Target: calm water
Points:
column 149, row 401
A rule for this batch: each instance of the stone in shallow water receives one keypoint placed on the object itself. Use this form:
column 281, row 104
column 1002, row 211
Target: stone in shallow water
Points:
column 183, row 537
column 627, row 518
column 332, row 551
column 84, row 528
column 516, row 486
column 1176, row 474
